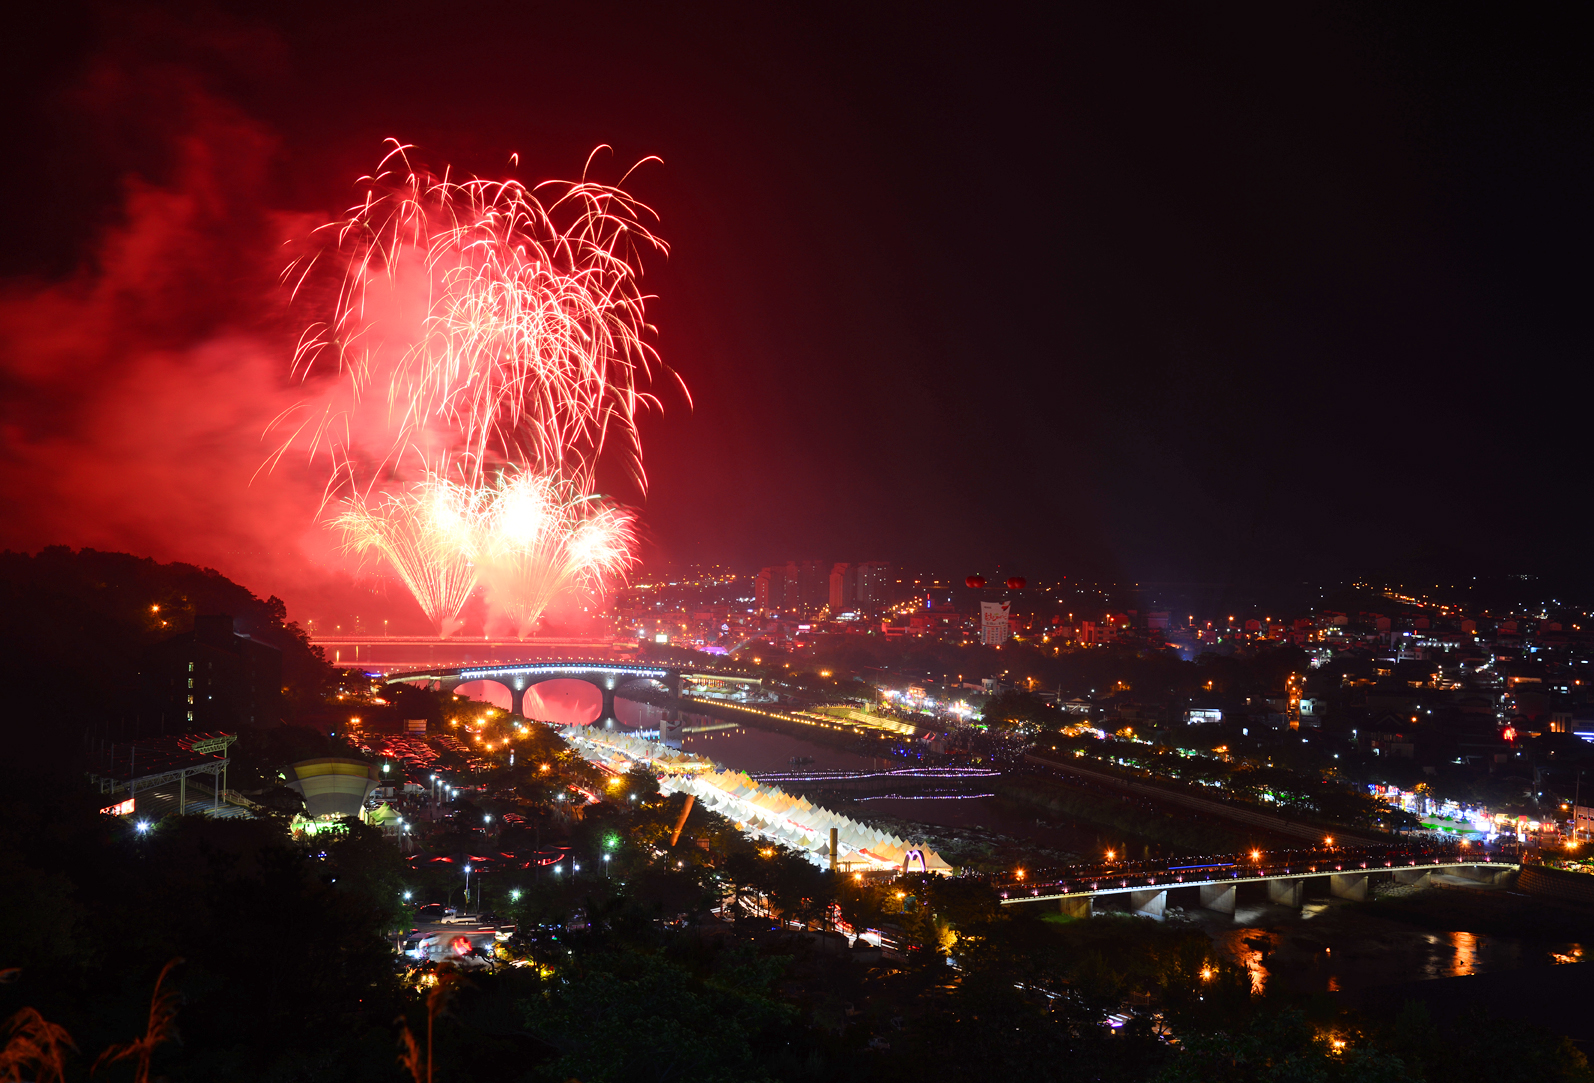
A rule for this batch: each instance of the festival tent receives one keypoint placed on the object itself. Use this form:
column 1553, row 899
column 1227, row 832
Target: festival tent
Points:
column 765, row 811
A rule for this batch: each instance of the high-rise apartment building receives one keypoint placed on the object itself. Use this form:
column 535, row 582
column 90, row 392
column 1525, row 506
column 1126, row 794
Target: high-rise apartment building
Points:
column 843, row 588
column 779, row 588
column 805, row 588
column 872, row 589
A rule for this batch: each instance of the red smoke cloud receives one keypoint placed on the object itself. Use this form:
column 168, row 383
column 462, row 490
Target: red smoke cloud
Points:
column 137, row 392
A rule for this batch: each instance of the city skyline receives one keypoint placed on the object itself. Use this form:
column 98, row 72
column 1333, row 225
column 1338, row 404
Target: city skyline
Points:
column 1215, row 334
column 869, row 543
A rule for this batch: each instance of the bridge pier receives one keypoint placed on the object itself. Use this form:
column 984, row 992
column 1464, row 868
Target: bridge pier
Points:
column 1077, row 907
column 1420, row 878
column 1152, row 903
column 1285, row 892
column 1346, row 885
column 1219, row 897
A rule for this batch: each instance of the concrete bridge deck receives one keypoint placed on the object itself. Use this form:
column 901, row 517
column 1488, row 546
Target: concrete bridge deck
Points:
column 405, row 651
column 605, row 674
column 1218, row 881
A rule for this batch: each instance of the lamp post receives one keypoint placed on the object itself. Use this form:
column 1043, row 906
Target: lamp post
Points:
column 1577, row 797
column 467, row 887
column 606, row 865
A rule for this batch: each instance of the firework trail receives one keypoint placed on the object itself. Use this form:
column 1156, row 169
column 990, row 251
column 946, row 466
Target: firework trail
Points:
column 540, row 539
column 430, row 534
column 476, row 323
column 486, row 344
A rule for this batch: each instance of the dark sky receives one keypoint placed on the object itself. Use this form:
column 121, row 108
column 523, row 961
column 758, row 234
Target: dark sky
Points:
column 1173, row 293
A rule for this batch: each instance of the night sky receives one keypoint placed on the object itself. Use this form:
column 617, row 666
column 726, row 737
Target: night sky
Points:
column 1177, row 293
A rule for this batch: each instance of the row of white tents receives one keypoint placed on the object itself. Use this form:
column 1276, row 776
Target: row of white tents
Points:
column 763, row 811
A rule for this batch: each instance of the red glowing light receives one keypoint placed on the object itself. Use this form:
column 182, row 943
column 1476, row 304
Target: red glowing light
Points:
column 489, row 343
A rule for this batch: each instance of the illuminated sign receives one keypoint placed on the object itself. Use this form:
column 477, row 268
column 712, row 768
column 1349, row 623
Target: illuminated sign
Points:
column 994, row 625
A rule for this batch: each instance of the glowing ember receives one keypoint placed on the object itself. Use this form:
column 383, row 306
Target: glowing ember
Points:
column 488, row 347
column 539, row 540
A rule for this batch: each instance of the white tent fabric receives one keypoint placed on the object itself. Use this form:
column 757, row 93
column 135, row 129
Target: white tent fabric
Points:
column 764, row 812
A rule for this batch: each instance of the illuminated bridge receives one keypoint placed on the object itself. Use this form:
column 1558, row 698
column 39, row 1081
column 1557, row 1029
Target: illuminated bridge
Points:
column 402, row 651
column 605, row 674
column 1217, row 883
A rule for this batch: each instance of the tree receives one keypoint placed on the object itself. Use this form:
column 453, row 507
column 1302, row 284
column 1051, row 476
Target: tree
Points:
column 641, row 783
column 1277, row 1048
column 1019, row 708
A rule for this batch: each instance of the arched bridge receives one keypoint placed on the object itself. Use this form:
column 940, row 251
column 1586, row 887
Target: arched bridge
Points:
column 606, row 675
column 1146, row 885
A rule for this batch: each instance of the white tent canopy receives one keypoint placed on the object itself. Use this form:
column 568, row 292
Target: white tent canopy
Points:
column 764, row 811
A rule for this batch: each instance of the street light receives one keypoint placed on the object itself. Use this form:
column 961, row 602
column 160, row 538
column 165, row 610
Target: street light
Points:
column 142, row 826
column 605, row 864
column 467, row 886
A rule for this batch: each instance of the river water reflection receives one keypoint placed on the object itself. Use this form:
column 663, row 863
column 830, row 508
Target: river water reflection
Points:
column 756, row 751
column 1324, row 946
column 1328, row 947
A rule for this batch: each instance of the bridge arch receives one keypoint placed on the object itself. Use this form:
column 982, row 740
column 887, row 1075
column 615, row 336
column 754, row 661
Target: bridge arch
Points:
column 566, row 701
column 573, row 692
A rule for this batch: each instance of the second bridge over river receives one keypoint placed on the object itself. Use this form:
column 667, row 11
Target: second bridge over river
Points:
column 1215, row 885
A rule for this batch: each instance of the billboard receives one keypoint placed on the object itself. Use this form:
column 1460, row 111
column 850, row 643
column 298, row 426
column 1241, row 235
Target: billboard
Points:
column 993, row 623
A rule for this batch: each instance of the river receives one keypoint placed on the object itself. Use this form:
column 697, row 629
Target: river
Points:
column 1323, row 947
column 756, row 751
column 1327, row 946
